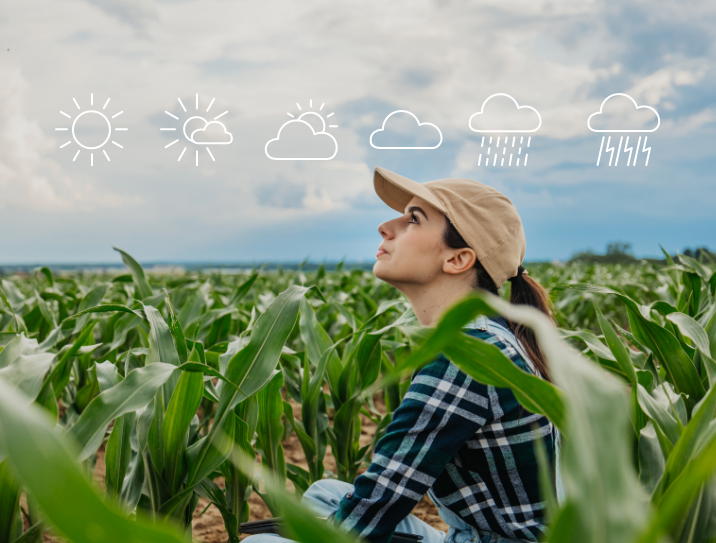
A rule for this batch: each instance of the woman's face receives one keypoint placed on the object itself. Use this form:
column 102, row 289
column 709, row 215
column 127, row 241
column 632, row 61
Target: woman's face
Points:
column 413, row 251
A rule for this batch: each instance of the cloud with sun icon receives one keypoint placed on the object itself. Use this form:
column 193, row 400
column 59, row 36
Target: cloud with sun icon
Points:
column 303, row 138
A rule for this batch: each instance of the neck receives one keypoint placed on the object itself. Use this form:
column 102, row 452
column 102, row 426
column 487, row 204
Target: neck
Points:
column 431, row 301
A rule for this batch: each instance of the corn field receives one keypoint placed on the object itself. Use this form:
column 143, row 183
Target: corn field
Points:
column 192, row 379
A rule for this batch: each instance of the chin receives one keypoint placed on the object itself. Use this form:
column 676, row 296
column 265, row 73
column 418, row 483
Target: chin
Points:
column 382, row 271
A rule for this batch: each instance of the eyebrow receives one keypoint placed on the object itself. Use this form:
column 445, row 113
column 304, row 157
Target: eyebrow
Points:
column 419, row 210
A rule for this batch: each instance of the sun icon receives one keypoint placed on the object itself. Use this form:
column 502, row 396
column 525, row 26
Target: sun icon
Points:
column 102, row 133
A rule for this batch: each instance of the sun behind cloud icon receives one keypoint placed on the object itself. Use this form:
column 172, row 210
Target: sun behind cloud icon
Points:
column 619, row 112
column 501, row 113
column 304, row 138
column 200, row 131
column 403, row 130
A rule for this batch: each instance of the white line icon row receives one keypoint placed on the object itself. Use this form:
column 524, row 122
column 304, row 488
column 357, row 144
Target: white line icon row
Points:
column 504, row 122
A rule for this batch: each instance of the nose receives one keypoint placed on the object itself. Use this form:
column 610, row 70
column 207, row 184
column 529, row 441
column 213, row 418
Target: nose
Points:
column 385, row 230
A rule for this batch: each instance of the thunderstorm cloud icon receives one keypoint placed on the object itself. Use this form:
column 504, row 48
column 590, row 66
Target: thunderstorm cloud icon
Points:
column 620, row 113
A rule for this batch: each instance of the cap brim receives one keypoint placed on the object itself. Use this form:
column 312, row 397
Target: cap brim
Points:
column 396, row 190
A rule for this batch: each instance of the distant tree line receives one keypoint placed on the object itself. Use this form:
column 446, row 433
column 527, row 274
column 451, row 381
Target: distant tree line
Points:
column 619, row 252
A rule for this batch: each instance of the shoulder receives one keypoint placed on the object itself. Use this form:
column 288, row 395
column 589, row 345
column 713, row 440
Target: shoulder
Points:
column 499, row 340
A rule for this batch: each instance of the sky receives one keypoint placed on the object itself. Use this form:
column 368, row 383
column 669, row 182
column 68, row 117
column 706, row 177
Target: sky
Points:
column 265, row 63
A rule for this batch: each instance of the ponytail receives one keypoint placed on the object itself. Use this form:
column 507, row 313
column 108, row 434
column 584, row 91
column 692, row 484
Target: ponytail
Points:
column 524, row 291
column 527, row 291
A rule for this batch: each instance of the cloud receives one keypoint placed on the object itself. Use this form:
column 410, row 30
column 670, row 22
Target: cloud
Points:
column 297, row 140
column 213, row 133
column 404, row 128
column 501, row 113
column 131, row 12
column 623, row 115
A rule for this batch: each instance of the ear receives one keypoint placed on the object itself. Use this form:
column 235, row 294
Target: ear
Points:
column 462, row 260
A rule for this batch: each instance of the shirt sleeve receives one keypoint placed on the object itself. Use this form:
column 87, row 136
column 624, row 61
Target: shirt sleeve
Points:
column 441, row 410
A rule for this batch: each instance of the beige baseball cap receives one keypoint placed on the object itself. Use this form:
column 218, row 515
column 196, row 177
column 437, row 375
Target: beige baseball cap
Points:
column 485, row 218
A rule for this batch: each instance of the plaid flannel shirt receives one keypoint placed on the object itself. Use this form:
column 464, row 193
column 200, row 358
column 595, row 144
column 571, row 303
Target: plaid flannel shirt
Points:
column 471, row 443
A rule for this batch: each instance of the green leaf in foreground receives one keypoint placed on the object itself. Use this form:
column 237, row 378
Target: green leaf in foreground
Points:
column 45, row 463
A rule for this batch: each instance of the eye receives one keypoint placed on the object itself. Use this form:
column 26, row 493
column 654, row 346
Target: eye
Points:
column 413, row 218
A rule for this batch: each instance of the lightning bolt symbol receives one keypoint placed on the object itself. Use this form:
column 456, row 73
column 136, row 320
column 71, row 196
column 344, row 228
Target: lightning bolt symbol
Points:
column 646, row 150
column 609, row 150
column 599, row 156
column 619, row 150
column 630, row 149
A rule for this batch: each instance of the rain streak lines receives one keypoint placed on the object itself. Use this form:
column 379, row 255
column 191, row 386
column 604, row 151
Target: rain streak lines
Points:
column 502, row 156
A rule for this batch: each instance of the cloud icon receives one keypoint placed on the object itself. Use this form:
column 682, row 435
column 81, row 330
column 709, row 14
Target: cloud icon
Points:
column 203, row 132
column 298, row 140
column 405, row 126
column 501, row 113
column 619, row 113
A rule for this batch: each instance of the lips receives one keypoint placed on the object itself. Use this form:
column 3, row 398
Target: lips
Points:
column 381, row 251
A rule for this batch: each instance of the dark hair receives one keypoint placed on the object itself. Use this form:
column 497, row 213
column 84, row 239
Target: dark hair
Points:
column 525, row 291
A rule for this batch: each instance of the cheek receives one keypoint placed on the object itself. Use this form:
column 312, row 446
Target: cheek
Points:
column 420, row 243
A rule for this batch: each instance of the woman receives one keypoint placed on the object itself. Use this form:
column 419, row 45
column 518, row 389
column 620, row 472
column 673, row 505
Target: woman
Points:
column 469, row 446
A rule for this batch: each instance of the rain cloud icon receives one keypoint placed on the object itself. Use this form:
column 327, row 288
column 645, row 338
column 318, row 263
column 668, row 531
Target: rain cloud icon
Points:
column 405, row 126
column 304, row 138
column 500, row 113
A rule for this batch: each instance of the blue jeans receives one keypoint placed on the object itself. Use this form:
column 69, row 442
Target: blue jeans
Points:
column 324, row 496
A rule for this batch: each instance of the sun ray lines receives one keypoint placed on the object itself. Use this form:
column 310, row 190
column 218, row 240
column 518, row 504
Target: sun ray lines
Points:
column 170, row 144
column 182, row 154
column 181, row 104
column 105, row 104
column 210, row 104
column 75, row 101
column 106, row 155
column 209, row 151
column 177, row 118
column 220, row 116
column 117, row 114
